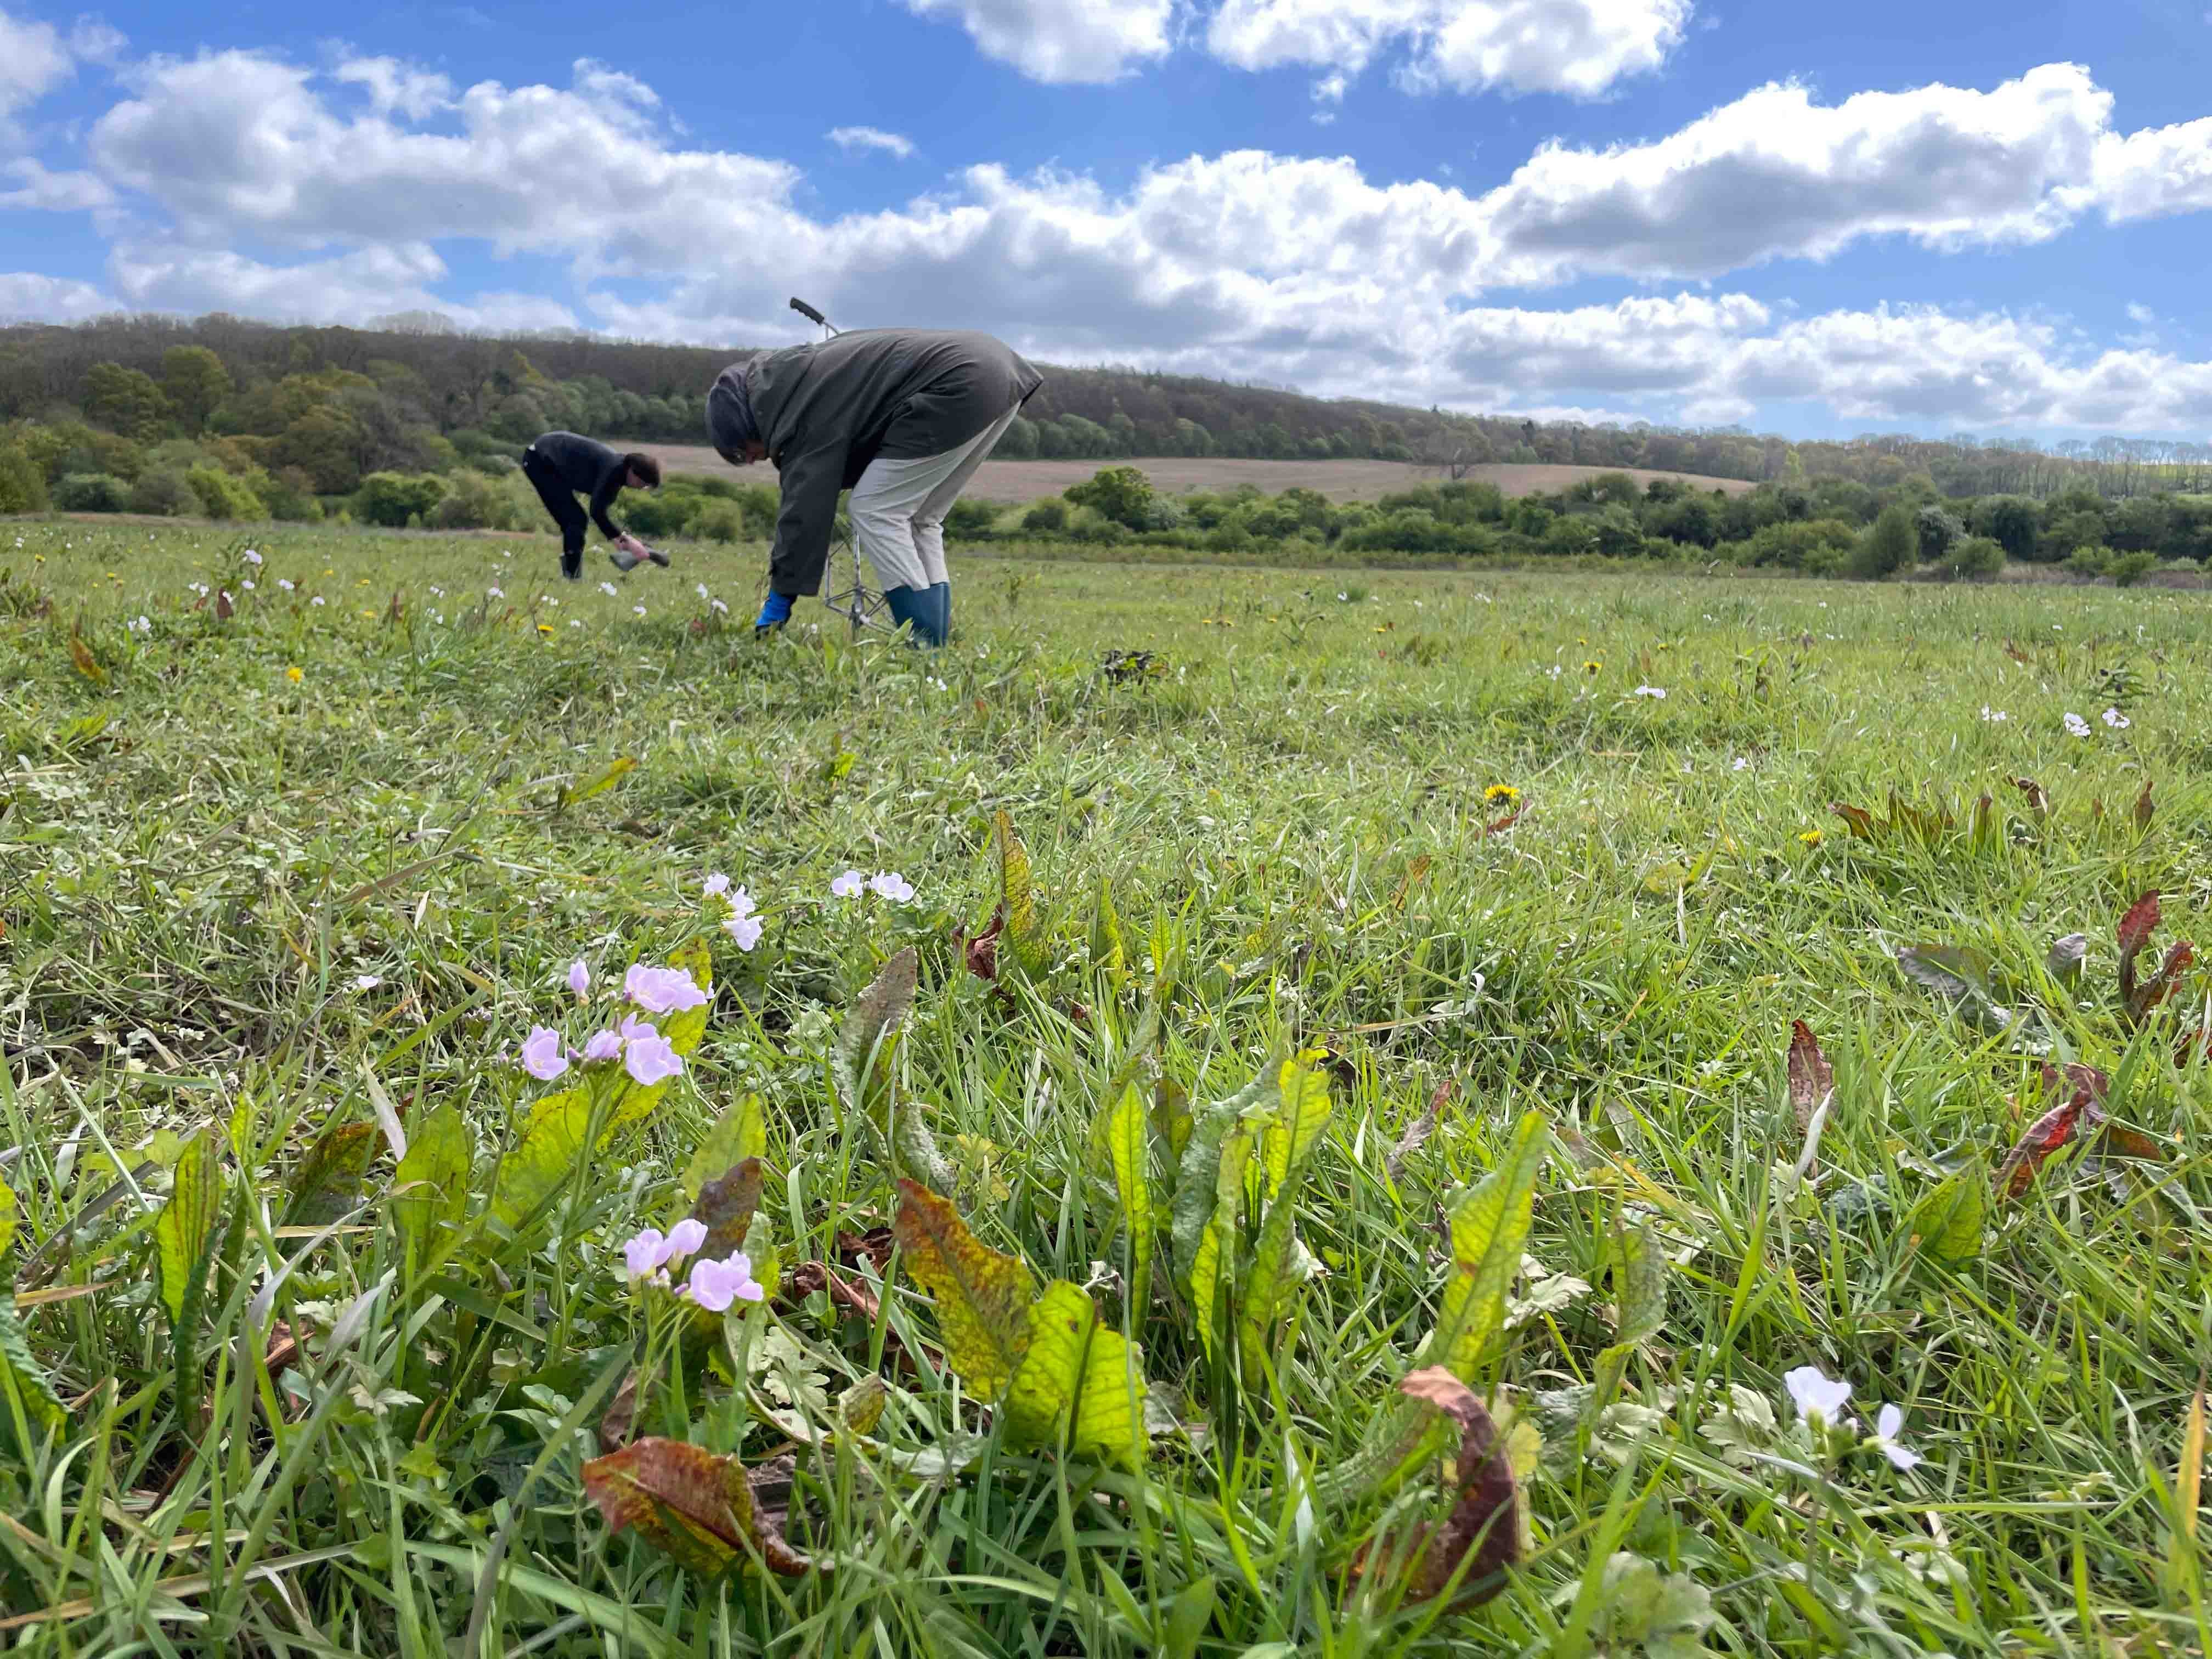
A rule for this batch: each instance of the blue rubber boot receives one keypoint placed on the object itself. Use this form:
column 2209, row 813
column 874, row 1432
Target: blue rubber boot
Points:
column 913, row 605
column 941, row 593
column 775, row 612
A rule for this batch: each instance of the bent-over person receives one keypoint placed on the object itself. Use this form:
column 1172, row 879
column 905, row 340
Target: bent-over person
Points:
column 901, row 417
column 562, row 466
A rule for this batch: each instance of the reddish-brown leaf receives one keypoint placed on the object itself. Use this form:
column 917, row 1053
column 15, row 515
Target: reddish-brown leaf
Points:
column 1417, row 1133
column 2038, row 803
column 222, row 606
column 2135, row 929
column 2049, row 1135
column 2145, row 807
column 621, row 1416
column 1812, row 1079
column 982, row 953
column 726, row 1208
column 1499, row 825
column 853, row 1294
column 697, row 1507
column 1861, row 822
column 1484, row 1527
column 874, row 1246
column 801, row 1282
column 2195, row 1045
column 2019, row 655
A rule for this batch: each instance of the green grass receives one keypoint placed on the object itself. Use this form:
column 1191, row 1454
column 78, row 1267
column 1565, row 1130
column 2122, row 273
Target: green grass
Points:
column 1289, row 819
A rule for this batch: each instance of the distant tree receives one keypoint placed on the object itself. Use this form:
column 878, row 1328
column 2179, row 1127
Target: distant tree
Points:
column 392, row 499
column 195, row 382
column 1887, row 546
column 2008, row 520
column 22, row 483
column 125, row 400
column 1937, row 529
column 1121, row 493
column 1018, row 442
column 1973, row 559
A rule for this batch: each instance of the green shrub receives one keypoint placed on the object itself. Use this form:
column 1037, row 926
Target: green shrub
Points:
column 22, row 486
column 1046, row 519
column 391, row 499
column 2090, row 561
column 667, row 514
column 1121, row 494
column 474, row 502
column 1974, row 559
column 1089, row 526
column 290, row 493
column 164, row 494
column 92, row 492
column 723, row 522
column 1887, row 545
column 972, row 521
column 222, row 496
column 2126, row 569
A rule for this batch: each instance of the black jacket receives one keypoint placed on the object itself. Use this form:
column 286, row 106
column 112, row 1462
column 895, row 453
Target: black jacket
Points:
column 587, row 467
column 825, row 411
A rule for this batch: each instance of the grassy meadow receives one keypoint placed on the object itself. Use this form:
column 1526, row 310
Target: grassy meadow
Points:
column 1502, row 892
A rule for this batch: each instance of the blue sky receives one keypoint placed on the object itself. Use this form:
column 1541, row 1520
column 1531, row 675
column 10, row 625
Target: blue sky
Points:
column 1969, row 217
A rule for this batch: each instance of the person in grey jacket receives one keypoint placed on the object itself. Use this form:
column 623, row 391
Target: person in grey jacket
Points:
column 901, row 417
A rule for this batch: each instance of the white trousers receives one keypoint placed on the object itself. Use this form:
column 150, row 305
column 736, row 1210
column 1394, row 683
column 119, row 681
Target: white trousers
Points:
column 898, row 507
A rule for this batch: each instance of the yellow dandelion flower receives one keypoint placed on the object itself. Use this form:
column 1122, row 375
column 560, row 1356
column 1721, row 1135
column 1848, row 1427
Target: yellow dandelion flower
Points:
column 1502, row 794
column 545, row 628
column 1592, row 667
column 294, row 674
column 1809, row 838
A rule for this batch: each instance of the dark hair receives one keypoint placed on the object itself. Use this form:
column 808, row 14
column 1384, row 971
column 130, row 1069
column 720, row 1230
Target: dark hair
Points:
column 645, row 467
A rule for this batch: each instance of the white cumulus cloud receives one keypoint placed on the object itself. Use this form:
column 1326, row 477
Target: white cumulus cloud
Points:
column 852, row 139
column 1062, row 41
column 1580, row 47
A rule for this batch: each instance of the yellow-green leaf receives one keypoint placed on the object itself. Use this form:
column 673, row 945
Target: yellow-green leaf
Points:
column 1017, row 891
column 327, row 1183
column 685, row 1030
column 861, row 1062
column 1260, row 1295
column 1129, row 1147
column 600, row 782
column 1108, row 953
column 431, row 1188
column 1218, row 1243
column 1639, row 1285
column 1948, row 1221
column 23, row 1378
column 982, row 1297
column 1078, row 1374
column 544, row 1155
column 185, row 1231
column 1489, row 1229
column 11, row 1218
column 87, row 664
column 1302, row 1114
column 741, row 1133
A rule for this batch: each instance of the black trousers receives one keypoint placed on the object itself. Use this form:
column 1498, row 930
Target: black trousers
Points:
column 568, row 512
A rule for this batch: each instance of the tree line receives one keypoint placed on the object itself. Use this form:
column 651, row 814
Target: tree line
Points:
column 322, row 408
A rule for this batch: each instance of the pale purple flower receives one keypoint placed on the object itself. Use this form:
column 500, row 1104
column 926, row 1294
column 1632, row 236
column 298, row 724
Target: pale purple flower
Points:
column 497, row 594
column 1816, row 1394
column 1652, row 691
column 2075, row 725
column 645, row 1254
column 890, row 884
column 2117, row 721
column 746, row 930
column 716, row 883
column 317, row 599
column 701, row 589
column 633, row 1028
column 1886, row 1422
column 638, row 609
column 247, row 584
column 662, row 990
column 603, row 1045
column 251, row 557
column 285, row 582
column 685, row 1236
column 651, row 1059
column 607, row 588
column 741, row 902
column 718, row 605
column 715, row 1285
column 367, row 981
column 847, row 885
column 580, row 977
column 541, row 1054
column 1994, row 716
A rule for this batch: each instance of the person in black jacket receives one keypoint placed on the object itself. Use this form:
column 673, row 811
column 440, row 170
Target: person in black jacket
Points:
column 901, row 417
column 562, row 466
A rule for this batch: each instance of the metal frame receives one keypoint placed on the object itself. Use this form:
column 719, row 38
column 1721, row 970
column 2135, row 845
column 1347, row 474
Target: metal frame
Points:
column 860, row 606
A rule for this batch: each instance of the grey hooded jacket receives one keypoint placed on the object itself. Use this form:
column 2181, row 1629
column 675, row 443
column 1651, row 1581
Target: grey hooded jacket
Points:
column 825, row 411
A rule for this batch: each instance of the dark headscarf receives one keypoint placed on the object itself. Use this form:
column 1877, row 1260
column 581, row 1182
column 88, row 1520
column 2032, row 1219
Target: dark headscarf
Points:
column 730, row 423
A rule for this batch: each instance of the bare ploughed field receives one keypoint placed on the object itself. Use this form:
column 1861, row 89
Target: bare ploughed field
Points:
column 1340, row 481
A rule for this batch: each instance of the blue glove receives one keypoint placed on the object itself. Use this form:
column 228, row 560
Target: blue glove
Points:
column 775, row 611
